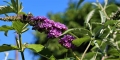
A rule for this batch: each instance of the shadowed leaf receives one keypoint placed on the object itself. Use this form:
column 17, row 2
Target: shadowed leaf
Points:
column 6, row 29
column 6, row 47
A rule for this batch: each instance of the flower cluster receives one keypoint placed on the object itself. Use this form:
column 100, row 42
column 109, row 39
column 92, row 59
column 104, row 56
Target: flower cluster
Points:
column 66, row 41
column 51, row 28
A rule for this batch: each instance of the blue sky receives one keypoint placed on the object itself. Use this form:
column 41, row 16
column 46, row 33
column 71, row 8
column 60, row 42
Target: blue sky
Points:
column 37, row 8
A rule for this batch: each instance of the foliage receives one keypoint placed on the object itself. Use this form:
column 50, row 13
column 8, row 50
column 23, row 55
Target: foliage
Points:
column 90, row 32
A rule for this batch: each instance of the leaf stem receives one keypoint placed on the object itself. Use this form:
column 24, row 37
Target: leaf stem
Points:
column 75, row 55
column 21, row 48
column 86, row 50
column 22, row 54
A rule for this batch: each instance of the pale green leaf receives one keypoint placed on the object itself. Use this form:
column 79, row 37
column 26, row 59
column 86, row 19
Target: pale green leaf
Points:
column 89, row 16
column 103, row 17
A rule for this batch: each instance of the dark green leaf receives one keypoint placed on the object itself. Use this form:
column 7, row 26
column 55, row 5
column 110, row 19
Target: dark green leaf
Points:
column 111, row 22
column 46, row 52
column 71, row 58
column 89, row 55
column 8, row 3
column 113, row 52
column 6, row 9
column 35, row 47
column 80, row 1
column 19, row 26
column 14, row 4
column 79, row 41
column 6, row 29
column 6, row 47
column 81, row 30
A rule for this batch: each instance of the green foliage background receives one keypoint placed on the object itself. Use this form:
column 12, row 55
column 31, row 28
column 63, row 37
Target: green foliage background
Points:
column 75, row 17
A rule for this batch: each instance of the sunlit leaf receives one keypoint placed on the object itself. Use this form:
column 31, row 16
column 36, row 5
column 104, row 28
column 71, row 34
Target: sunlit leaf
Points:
column 89, row 16
column 103, row 17
column 6, row 9
column 52, row 58
column 35, row 47
column 106, row 2
column 79, row 41
column 19, row 26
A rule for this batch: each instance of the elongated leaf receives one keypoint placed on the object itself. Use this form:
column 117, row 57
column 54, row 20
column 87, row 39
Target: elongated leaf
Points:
column 19, row 26
column 6, row 47
column 103, row 17
column 114, row 52
column 35, row 47
column 14, row 3
column 111, row 22
column 80, row 1
column 6, row 29
column 79, row 41
column 8, row 3
column 89, row 16
column 46, row 52
column 6, row 9
column 81, row 30
column 106, row 2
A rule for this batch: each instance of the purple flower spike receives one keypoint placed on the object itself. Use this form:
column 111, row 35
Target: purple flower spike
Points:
column 54, row 33
column 66, row 41
column 52, row 28
column 60, row 26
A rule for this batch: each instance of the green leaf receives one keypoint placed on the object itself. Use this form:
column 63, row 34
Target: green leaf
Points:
column 111, row 22
column 6, row 29
column 79, row 41
column 19, row 26
column 8, row 3
column 6, row 47
column 52, row 58
column 89, row 55
column 80, row 1
column 35, row 47
column 81, row 30
column 20, row 7
column 89, row 16
column 103, row 17
column 46, row 52
column 106, row 2
column 70, row 58
column 114, row 52
column 6, row 9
